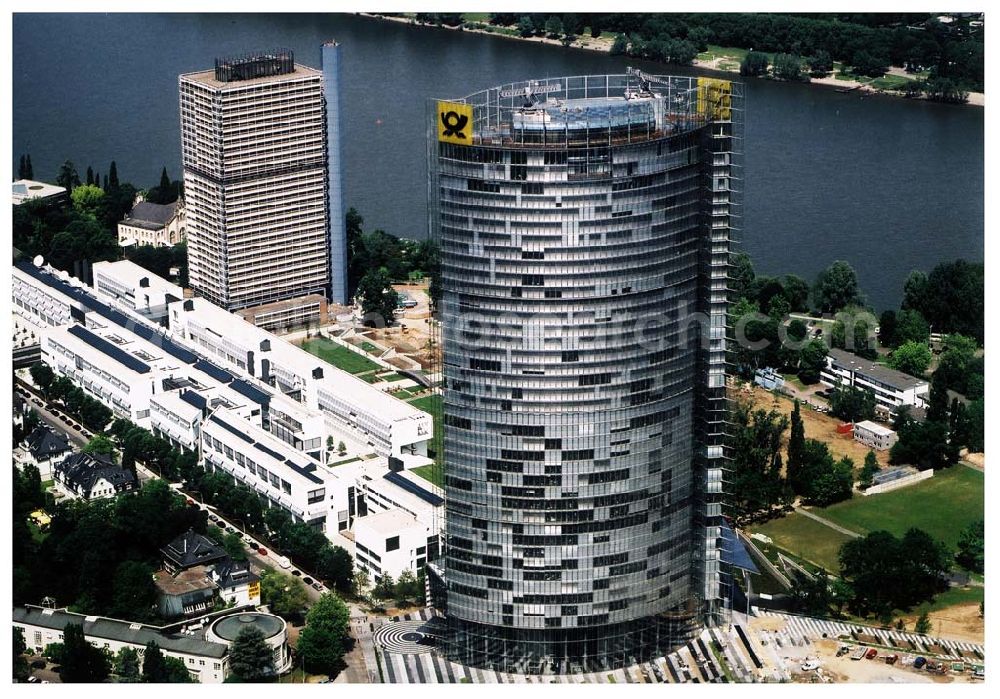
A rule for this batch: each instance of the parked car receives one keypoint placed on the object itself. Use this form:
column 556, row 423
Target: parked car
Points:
column 307, row 580
column 318, row 586
column 858, row 654
column 296, row 573
column 262, row 551
column 213, row 518
column 190, row 501
column 891, row 659
column 919, row 662
column 284, row 562
column 810, row 665
column 872, row 653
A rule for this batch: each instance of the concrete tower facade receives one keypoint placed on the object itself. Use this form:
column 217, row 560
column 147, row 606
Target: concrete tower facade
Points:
column 585, row 227
column 255, row 157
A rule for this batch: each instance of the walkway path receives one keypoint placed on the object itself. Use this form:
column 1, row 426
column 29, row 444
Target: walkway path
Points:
column 828, row 523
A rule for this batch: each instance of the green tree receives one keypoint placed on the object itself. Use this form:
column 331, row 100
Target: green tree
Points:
column 283, row 594
column 384, row 588
column 321, row 642
column 233, row 543
column 887, row 573
column 525, row 27
column 787, row 67
column 87, row 199
column 20, row 667
column 837, row 287
column 812, row 360
column 820, row 64
column 113, row 177
column 553, row 27
column 335, row 566
column 153, row 666
column 378, row 299
column 869, row 470
column 887, row 328
column 854, row 331
column 871, row 65
column 811, row 595
column 134, row 594
column 99, row 444
column 852, row 404
column 754, row 64
column 796, row 290
column 250, row 657
column 910, row 327
column 923, row 624
column 757, row 483
column 42, row 376
column 81, row 661
column 972, row 547
column 68, row 176
column 619, row 47
column 127, row 665
column 911, row 358
column 796, row 445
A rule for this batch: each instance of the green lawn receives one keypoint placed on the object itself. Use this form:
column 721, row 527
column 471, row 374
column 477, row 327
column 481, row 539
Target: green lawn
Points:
column 338, row 356
column 432, row 473
column 807, row 538
column 891, row 82
column 942, row 506
column 391, row 377
column 476, row 16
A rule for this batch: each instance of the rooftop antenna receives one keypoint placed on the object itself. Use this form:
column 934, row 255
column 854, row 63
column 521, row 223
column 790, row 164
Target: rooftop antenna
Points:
column 49, row 602
column 530, row 91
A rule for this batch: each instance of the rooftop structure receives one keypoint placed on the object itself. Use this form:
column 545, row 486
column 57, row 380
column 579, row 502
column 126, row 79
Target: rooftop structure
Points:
column 585, row 463
column 135, row 287
column 25, row 190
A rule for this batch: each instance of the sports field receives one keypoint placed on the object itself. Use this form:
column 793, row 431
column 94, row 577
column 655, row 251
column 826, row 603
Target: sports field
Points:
column 942, row 506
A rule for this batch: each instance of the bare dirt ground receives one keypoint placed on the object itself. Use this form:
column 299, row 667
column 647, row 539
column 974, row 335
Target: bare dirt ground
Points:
column 821, row 426
column 833, row 669
column 961, row 622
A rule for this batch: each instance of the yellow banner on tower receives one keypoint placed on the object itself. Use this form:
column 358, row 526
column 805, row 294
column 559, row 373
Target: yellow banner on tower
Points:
column 715, row 98
column 454, row 121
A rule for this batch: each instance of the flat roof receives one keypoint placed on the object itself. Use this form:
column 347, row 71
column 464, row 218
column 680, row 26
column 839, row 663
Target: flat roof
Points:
column 131, row 274
column 874, row 427
column 184, row 582
column 108, row 349
column 229, row 627
column 118, row 630
column 207, row 78
column 23, row 190
column 386, row 522
column 882, row 374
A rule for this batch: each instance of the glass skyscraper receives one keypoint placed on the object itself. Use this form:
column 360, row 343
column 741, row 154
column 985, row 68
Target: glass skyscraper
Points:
column 585, row 227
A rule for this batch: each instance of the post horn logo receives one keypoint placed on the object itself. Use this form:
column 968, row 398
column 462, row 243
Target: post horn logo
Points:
column 453, row 124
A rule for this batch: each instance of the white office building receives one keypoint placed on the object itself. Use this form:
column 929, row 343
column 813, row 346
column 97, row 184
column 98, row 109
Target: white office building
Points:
column 390, row 426
column 874, row 435
column 254, row 151
column 891, row 388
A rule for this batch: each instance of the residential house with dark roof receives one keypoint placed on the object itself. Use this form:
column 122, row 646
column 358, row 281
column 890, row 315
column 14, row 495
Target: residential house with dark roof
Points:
column 197, row 570
column 161, row 225
column 45, row 449
column 92, row 476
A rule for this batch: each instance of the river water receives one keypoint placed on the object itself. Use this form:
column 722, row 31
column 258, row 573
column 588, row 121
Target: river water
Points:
column 888, row 184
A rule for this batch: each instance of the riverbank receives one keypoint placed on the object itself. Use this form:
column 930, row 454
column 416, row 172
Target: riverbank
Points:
column 721, row 64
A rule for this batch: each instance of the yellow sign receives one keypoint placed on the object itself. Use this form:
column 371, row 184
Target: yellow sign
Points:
column 454, row 121
column 715, row 98
column 253, row 590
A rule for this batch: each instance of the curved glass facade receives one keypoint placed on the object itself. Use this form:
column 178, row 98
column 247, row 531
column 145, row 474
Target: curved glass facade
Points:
column 584, row 245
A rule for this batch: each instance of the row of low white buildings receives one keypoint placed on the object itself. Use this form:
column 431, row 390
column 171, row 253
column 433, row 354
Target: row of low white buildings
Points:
column 204, row 650
column 249, row 403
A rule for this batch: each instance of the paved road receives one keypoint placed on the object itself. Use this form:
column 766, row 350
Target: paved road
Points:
column 79, row 437
column 828, row 523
